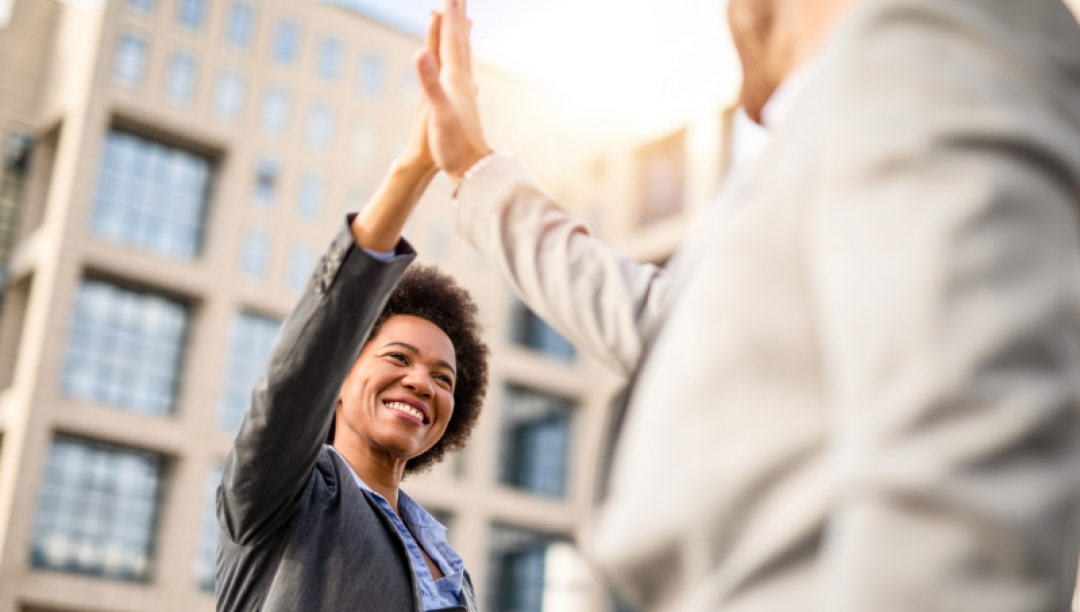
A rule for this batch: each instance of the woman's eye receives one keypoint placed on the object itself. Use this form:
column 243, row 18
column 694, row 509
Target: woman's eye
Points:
column 444, row 379
column 397, row 357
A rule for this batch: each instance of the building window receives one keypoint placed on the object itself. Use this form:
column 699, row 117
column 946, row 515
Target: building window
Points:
column 141, row 6
column 266, row 182
column 229, row 95
column 240, row 28
column 180, row 80
column 276, row 108
column 530, row 331
column 252, row 337
column 130, row 62
column 320, row 127
column 254, row 254
column 151, row 196
column 533, row 571
column 207, row 555
column 309, row 199
column 192, row 13
column 96, row 510
column 286, row 42
column 301, row 260
column 124, row 348
column 328, row 60
column 662, row 177
column 373, row 75
column 535, row 441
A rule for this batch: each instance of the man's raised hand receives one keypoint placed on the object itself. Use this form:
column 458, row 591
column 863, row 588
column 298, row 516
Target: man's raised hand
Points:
column 455, row 136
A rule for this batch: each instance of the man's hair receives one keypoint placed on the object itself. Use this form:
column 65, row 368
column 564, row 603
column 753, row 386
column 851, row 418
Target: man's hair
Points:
column 429, row 294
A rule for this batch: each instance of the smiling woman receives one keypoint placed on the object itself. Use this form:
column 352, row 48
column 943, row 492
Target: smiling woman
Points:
column 425, row 305
column 379, row 371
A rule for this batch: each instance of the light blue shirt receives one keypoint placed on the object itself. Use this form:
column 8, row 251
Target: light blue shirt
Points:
column 446, row 591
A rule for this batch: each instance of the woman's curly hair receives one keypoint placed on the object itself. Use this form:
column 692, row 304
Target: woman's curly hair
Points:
column 429, row 294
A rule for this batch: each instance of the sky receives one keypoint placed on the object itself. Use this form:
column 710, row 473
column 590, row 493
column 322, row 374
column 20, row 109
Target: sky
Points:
column 651, row 62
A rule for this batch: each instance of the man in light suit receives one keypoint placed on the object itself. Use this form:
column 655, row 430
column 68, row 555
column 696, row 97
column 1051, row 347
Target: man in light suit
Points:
column 857, row 387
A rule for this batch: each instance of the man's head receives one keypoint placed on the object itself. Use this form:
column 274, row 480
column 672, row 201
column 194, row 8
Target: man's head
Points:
column 773, row 38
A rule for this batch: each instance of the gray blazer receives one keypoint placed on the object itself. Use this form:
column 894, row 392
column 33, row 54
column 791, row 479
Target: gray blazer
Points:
column 858, row 383
column 296, row 531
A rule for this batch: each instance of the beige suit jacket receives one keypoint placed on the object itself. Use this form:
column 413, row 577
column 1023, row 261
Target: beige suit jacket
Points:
column 862, row 383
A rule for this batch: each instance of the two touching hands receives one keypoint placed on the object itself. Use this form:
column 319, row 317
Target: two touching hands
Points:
column 447, row 133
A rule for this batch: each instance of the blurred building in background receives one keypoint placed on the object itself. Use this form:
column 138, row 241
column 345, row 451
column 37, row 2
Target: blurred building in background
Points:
column 171, row 170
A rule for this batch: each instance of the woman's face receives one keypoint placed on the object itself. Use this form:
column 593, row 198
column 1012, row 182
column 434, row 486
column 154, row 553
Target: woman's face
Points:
column 399, row 396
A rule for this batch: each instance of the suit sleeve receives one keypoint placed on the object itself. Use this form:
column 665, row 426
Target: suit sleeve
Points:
column 292, row 406
column 946, row 258
column 603, row 302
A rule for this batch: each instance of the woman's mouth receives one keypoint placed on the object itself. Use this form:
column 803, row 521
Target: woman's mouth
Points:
column 407, row 409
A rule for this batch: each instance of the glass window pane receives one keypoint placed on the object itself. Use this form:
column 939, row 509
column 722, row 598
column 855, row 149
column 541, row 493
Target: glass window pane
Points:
column 229, row 95
column 241, row 25
column 328, row 60
column 373, row 75
column 320, row 127
column 535, row 442
column 530, row 331
column 141, row 6
column 286, row 42
column 533, row 571
column 252, row 337
column 124, row 348
column 96, row 510
column 130, row 61
column 151, row 196
column 276, row 109
column 192, row 13
column 310, row 197
column 266, row 180
column 255, row 254
column 180, row 79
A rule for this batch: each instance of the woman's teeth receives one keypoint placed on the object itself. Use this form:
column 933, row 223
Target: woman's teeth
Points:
column 407, row 409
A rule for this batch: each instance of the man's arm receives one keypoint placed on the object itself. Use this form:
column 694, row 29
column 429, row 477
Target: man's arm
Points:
column 947, row 263
column 603, row 302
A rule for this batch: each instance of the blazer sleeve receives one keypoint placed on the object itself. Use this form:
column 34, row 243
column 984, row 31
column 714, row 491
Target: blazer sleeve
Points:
column 292, row 406
column 946, row 255
column 606, row 304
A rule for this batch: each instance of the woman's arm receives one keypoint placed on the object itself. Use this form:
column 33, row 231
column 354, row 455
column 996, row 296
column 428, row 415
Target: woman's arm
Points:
column 292, row 406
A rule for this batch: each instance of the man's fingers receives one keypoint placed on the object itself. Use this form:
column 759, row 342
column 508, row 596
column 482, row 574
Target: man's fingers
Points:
column 451, row 49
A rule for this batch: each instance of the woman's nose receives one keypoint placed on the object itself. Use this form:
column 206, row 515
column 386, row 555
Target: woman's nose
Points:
column 418, row 382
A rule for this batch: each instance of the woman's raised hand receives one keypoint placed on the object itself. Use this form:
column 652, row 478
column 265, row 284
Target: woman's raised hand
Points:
column 455, row 136
column 417, row 152
column 378, row 226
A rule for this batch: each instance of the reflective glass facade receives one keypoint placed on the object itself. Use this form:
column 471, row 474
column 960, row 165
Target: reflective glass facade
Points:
column 151, row 196
column 535, row 440
column 96, row 510
column 252, row 337
column 124, row 348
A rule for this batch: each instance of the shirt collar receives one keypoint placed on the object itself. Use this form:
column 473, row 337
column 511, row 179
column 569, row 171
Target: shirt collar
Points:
column 430, row 532
column 778, row 109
